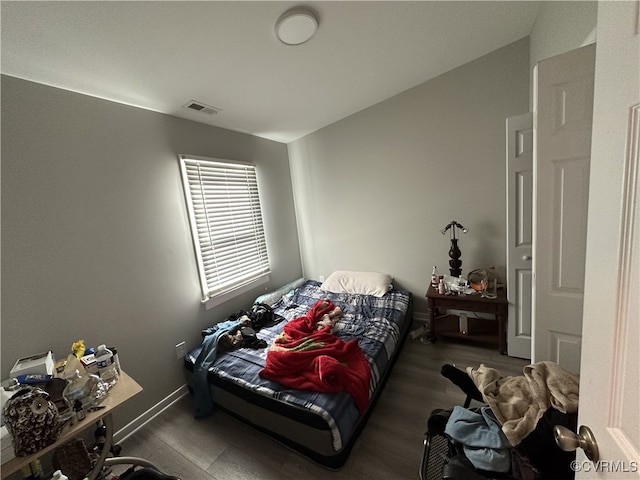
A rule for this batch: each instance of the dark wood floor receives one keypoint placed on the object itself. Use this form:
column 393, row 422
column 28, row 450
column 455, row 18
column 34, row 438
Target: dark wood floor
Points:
column 222, row 448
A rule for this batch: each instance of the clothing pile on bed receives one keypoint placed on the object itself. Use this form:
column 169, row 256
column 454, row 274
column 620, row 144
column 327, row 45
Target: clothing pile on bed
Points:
column 238, row 331
column 307, row 356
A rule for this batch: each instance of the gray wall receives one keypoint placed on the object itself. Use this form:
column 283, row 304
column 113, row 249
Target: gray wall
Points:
column 95, row 236
column 373, row 190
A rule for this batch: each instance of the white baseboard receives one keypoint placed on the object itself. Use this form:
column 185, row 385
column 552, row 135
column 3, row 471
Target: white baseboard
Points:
column 421, row 317
column 133, row 426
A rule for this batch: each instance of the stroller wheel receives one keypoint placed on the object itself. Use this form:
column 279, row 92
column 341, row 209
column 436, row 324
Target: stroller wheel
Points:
column 146, row 473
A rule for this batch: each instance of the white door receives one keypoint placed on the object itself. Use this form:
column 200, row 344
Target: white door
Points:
column 519, row 233
column 610, row 378
column 563, row 116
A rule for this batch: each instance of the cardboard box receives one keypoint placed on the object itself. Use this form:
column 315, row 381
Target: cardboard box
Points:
column 89, row 363
column 41, row 363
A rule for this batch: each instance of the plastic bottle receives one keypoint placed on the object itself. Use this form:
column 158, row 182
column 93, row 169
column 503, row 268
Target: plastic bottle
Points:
column 58, row 475
column 441, row 289
column 106, row 365
column 116, row 359
column 81, row 388
column 434, row 277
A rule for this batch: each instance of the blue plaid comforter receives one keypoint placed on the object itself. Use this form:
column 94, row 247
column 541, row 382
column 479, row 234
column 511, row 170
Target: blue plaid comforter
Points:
column 376, row 322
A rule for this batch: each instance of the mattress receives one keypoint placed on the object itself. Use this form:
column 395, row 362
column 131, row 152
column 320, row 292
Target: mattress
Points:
column 321, row 426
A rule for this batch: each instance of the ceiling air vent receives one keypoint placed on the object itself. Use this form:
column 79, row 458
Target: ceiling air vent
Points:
column 201, row 108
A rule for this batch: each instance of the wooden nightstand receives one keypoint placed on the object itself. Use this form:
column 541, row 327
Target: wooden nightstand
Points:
column 448, row 326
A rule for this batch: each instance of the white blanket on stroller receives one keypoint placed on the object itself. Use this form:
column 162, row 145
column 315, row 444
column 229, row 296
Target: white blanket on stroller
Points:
column 519, row 402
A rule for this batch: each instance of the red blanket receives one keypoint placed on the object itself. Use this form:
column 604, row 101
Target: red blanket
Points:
column 305, row 358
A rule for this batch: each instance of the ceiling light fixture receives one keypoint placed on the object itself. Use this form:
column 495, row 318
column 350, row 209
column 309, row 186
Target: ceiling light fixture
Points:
column 296, row 26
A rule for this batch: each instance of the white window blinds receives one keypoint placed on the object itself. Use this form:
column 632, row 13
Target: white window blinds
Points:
column 226, row 223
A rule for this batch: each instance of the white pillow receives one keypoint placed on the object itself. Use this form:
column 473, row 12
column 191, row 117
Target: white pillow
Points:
column 363, row 283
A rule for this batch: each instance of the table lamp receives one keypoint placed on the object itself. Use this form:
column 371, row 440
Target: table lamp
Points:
column 455, row 263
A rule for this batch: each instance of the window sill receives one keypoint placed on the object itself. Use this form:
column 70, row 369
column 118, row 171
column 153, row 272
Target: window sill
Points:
column 211, row 302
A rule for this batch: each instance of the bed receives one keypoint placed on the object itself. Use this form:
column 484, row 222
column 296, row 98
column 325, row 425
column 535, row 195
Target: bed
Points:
column 321, row 426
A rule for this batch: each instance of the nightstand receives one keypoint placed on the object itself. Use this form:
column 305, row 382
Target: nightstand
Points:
column 486, row 331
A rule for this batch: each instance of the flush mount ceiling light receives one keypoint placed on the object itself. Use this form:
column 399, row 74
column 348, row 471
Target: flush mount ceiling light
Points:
column 296, row 26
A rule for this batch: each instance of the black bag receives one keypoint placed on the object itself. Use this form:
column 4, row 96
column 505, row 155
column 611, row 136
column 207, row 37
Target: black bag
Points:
column 262, row 315
column 250, row 339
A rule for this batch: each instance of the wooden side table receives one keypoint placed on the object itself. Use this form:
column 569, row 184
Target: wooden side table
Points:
column 468, row 303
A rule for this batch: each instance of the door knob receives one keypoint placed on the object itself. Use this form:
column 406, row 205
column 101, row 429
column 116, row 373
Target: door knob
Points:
column 526, row 257
column 569, row 441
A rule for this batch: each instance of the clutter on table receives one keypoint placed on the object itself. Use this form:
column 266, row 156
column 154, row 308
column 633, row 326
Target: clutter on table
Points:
column 43, row 395
column 479, row 281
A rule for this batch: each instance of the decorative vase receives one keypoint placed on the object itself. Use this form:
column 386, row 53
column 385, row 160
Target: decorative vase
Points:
column 455, row 263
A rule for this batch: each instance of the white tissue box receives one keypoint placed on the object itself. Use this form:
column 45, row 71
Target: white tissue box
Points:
column 41, row 363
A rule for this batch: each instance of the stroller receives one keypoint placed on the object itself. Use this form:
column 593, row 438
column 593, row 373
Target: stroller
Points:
column 95, row 464
column 536, row 457
column 140, row 470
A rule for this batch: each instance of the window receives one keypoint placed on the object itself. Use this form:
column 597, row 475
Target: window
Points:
column 226, row 226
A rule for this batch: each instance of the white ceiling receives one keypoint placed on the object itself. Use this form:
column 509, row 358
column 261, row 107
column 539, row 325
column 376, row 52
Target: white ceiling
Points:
column 161, row 55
